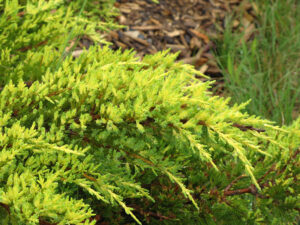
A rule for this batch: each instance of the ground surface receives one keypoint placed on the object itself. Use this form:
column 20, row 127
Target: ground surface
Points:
column 188, row 26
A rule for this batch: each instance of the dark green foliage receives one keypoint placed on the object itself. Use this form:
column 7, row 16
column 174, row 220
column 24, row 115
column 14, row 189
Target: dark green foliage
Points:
column 130, row 141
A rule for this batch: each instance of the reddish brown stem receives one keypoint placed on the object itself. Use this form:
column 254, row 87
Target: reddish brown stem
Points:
column 251, row 190
column 6, row 207
column 245, row 128
column 31, row 47
column 234, row 181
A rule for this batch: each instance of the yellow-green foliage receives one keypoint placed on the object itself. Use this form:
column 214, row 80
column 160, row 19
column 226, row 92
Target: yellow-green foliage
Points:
column 106, row 131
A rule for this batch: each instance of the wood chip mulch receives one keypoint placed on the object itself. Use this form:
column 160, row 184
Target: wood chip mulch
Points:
column 188, row 26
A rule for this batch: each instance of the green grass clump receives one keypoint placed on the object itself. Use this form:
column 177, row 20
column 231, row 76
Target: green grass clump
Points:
column 265, row 69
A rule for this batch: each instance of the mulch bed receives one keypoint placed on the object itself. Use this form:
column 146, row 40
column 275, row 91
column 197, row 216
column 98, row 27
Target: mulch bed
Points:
column 188, row 26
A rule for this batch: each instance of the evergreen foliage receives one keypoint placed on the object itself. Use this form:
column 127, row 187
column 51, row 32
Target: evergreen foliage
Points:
column 126, row 139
